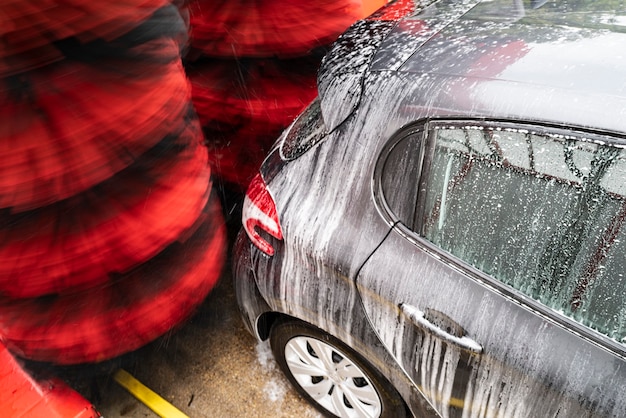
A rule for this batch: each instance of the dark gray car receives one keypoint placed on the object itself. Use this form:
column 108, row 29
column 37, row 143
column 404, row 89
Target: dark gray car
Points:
column 442, row 232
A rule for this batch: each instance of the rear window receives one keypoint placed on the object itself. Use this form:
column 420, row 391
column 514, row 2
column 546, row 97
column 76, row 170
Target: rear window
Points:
column 541, row 212
column 306, row 131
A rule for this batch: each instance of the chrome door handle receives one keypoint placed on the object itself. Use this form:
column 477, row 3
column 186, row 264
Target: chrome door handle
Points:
column 418, row 318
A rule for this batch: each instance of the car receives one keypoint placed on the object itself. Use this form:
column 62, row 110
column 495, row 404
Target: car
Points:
column 441, row 231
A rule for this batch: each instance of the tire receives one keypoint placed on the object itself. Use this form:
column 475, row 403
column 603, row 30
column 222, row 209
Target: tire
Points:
column 353, row 390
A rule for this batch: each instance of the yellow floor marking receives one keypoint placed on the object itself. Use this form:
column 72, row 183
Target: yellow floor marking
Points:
column 145, row 395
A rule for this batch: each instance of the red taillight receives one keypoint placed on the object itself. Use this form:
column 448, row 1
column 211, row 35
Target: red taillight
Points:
column 259, row 213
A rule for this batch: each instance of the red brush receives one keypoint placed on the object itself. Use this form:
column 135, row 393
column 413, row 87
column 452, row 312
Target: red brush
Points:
column 109, row 229
column 124, row 315
column 267, row 28
column 74, row 125
column 244, row 105
column 30, row 27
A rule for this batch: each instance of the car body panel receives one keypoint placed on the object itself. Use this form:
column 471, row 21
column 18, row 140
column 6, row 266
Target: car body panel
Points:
column 532, row 71
column 341, row 73
column 259, row 296
column 529, row 365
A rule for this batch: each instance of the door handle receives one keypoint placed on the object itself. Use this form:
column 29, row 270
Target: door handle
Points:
column 419, row 318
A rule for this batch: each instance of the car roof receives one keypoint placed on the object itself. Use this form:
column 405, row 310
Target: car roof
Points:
column 558, row 62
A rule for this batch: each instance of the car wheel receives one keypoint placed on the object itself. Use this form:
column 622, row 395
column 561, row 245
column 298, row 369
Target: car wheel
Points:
column 330, row 375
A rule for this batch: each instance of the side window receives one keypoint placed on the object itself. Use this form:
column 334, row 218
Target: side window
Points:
column 542, row 213
column 400, row 175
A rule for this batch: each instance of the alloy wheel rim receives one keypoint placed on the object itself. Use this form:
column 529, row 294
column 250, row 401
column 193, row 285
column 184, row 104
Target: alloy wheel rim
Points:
column 331, row 378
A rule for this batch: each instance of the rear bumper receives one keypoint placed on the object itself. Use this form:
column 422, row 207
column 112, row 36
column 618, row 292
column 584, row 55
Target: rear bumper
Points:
column 251, row 303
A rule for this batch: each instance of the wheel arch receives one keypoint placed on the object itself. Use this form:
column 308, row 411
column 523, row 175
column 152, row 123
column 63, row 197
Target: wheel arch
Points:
column 414, row 404
column 266, row 321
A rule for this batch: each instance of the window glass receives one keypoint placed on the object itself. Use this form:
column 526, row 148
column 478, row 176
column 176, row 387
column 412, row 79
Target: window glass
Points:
column 400, row 175
column 542, row 213
column 307, row 130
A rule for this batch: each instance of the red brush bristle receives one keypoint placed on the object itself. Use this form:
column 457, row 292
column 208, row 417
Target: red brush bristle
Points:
column 110, row 320
column 110, row 229
column 243, row 107
column 268, row 28
column 30, row 28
